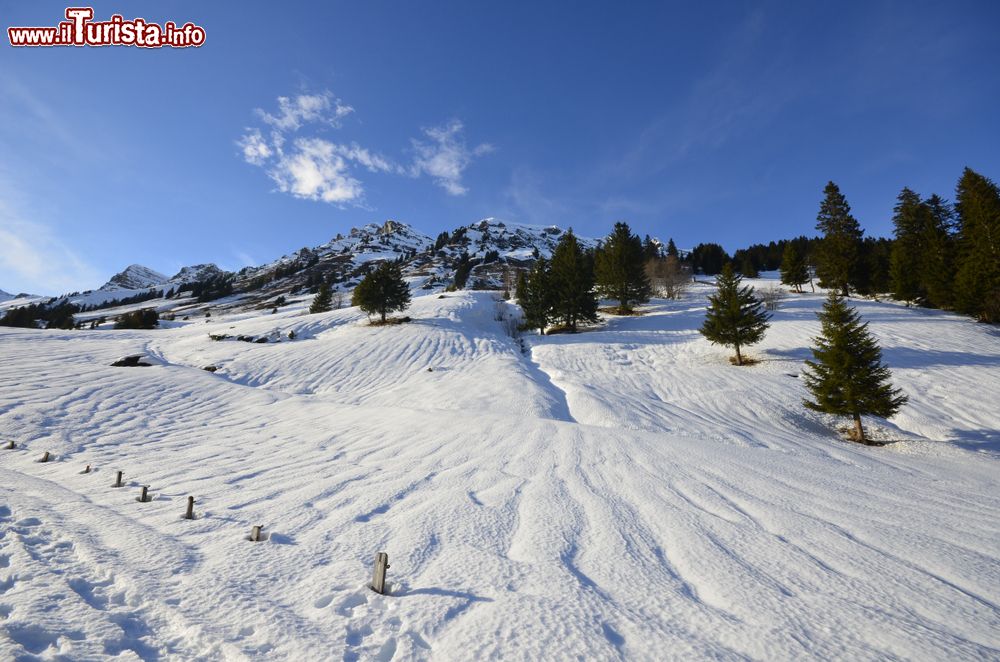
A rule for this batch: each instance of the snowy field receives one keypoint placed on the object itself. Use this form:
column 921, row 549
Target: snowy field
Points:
column 622, row 493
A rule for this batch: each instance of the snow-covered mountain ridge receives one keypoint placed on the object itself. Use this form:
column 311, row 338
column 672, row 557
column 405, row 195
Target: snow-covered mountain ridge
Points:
column 480, row 251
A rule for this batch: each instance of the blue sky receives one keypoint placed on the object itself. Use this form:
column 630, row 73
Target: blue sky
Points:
column 714, row 123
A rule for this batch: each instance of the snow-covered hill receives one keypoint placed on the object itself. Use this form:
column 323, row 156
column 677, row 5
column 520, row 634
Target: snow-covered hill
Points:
column 619, row 493
column 134, row 277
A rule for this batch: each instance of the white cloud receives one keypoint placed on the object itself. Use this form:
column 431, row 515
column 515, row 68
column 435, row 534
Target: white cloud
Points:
column 293, row 112
column 315, row 168
column 255, row 149
column 33, row 259
column 446, row 156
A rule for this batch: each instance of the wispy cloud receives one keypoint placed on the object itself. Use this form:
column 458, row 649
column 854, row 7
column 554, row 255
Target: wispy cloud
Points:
column 295, row 111
column 445, row 156
column 312, row 167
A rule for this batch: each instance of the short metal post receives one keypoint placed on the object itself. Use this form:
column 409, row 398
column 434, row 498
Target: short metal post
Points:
column 381, row 565
column 87, row 469
column 45, row 457
column 11, row 445
column 190, row 509
column 144, row 495
column 118, row 481
column 255, row 533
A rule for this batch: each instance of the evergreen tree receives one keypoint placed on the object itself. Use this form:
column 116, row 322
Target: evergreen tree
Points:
column 323, row 301
column 672, row 248
column 977, row 281
column 837, row 258
column 794, row 271
column 650, row 249
column 620, row 271
column 536, row 301
column 747, row 268
column 847, row 377
column 709, row 258
column 937, row 266
column 873, row 273
column 735, row 316
column 382, row 291
column 907, row 249
column 521, row 289
column 572, row 283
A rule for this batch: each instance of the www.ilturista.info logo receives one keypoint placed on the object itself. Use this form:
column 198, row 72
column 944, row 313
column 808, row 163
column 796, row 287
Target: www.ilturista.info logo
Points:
column 81, row 30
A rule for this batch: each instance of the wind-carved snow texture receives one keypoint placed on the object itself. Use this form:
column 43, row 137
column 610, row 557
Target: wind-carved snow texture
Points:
column 619, row 493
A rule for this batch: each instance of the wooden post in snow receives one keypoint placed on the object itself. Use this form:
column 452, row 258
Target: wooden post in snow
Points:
column 118, row 481
column 86, row 469
column 144, row 495
column 45, row 457
column 190, row 509
column 255, row 533
column 381, row 565
column 11, row 445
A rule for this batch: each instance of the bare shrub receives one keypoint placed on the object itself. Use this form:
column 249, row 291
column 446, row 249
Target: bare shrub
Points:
column 668, row 276
column 772, row 295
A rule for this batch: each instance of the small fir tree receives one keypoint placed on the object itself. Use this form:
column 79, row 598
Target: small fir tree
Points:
column 837, row 259
column 619, row 269
column 382, row 291
column 794, row 271
column 735, row 317
column 847, row 377
column 323, row 301
column 572, row 283
column 747, row 268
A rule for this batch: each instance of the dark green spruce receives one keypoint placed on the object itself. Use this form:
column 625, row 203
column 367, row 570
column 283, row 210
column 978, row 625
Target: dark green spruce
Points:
column 620, row 269
column 977, row 281
column 535, row 298
column 847, row 376
column 382, row 291
column 837, row 258
column 572, row 283
column 735, row 317
column 908, row 221
column 323, row 301
column 794, row 271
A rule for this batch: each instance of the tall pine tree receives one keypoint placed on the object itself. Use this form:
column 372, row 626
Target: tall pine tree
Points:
column 908, row 220
column 794, row 271
column 847, row 377
column 672, row 248
column 837, row 261
column 572, row 283
column 977, row 281
column 620, row 272
column 937, row 265
column 735, row 316
column 382, row 291
column 536, row 299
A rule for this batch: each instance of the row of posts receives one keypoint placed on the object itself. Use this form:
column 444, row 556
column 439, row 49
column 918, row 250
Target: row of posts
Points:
column 381, row 559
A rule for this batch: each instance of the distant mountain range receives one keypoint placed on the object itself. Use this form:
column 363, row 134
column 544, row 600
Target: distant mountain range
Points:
column 473, row 256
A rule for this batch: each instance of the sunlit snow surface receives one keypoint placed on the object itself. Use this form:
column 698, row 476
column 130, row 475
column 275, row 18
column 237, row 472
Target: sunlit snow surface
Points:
column 619, row 493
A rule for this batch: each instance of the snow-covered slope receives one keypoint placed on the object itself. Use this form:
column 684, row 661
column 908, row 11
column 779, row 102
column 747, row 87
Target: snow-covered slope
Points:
column 620, row 493
column 4, row 296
